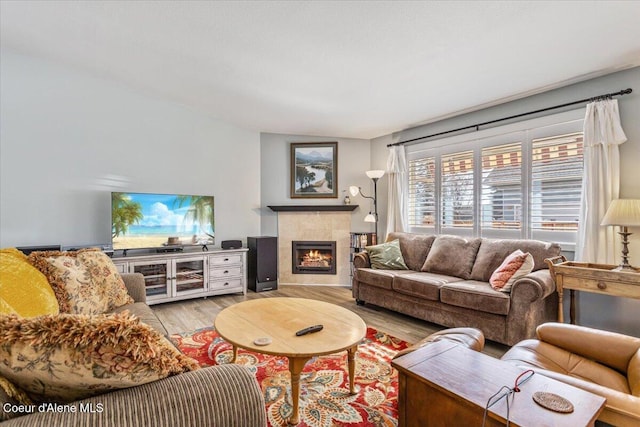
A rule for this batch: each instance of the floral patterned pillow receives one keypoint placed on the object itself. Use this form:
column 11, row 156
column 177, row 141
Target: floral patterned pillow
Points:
column 84, row 281
column 66, row 357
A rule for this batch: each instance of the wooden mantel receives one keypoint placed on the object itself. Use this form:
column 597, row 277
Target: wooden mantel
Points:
column 313, row 208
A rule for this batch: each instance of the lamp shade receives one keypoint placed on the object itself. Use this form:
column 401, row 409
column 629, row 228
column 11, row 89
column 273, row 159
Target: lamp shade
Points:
column 625, row 212
column 375, row 174
column 354, row 190
column 370, row 218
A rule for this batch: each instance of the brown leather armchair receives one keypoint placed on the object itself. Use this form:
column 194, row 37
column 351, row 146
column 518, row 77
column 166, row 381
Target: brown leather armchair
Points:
column 604, row 363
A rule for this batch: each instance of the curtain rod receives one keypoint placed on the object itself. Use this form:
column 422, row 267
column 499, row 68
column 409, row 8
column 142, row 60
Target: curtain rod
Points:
column 477, row 126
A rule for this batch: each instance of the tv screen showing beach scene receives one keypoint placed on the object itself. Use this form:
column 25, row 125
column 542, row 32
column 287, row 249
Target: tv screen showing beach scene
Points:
column 145, row 220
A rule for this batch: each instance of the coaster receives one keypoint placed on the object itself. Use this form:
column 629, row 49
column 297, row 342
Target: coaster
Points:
column 553, row 402
column 262, row 341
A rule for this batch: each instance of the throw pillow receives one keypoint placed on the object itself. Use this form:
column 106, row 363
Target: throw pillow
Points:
column 84, row 281
column 386, row 256
column 66, row 357
column 452, row 255
column 518, row 264
column 23, row 289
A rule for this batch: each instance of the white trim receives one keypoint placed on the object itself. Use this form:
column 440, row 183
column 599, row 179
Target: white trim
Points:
column 522, row 132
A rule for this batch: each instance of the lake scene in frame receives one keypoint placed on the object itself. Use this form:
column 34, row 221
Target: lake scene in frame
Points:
column 314, row 170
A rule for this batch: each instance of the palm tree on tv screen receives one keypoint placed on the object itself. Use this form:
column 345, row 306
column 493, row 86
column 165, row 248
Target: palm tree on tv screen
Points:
column 124, row 212
column 200, row 210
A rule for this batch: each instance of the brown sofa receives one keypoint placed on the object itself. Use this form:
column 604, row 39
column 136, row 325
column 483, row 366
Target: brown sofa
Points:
column 224, row 395
column 447, row 282
column 604, row 363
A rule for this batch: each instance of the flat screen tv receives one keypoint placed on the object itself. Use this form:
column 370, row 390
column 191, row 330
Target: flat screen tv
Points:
column 145, row 220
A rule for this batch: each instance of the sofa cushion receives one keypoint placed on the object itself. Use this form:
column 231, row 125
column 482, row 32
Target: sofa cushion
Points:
column 66, row 357
column 493, row 251
column 146, row 315
column 414, row 248
column 422, row 285
column 23, row 289
column 541, row 355
column 386, row 256
column 379, row 278
column 476, row 296
column 84, row 281
column 516, row 265
column 452, row 256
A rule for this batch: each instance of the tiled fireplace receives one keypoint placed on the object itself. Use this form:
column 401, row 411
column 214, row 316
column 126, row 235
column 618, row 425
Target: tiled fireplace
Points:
column 314, row 226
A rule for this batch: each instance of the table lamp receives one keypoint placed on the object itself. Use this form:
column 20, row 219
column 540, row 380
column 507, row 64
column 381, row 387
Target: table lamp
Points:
column 625, row 213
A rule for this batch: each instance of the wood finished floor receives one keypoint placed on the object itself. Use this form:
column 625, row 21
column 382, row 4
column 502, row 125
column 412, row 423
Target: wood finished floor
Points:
column 184, row 316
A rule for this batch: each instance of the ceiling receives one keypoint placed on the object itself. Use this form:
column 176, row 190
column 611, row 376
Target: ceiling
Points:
column 344, row 69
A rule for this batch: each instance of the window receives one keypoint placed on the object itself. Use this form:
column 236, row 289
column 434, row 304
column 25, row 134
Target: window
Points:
column 515, row 181
column 502, row 187
column 422, row 187
column 556, row 182
column 457, row 190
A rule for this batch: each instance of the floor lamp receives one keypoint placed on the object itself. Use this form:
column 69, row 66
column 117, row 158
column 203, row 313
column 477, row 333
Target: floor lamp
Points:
column 375, row 175
column 625, row 213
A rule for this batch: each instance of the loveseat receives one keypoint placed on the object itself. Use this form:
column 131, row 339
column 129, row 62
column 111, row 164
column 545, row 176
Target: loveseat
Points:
column 224, row 395
column 446, row 281
column 601, row 362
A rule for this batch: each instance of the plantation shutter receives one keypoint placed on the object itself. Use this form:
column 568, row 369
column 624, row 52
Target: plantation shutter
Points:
column 422, row 192
column 457, row 190
column 501, row 196
column 556, row 179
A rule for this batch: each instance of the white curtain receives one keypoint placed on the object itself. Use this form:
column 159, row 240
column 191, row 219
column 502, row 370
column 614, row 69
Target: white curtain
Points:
column 601, row 181
column 396, row 168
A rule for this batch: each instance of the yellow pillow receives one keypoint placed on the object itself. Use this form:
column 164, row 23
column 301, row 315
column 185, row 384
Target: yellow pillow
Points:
column 23, row 289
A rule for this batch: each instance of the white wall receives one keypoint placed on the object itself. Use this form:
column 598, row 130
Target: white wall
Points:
column 68, row 139
column 616, row 314
column 353, row 161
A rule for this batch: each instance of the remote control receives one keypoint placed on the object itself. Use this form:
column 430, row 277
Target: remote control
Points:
column 309, row 330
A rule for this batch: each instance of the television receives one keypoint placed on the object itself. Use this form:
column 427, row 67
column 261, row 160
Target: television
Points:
column 147, row 221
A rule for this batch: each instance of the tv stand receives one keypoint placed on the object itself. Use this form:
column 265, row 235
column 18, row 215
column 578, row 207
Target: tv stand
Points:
column 187, row 272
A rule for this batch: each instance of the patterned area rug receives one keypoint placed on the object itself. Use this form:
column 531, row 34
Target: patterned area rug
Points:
column 324, row 391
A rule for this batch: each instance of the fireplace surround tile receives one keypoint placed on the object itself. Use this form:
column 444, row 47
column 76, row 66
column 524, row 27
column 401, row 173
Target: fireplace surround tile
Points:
column 318, row 226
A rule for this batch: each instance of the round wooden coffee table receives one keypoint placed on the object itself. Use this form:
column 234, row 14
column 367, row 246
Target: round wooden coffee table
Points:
column 279, row 319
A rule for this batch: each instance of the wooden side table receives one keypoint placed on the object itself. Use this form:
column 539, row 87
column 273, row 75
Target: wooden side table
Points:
column 445, row 384
column 588, row 277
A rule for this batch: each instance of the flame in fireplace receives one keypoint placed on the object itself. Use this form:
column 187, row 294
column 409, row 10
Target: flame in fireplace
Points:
column 315, row 258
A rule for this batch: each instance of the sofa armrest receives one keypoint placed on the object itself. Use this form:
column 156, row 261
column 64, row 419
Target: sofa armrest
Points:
column 609, row 348
column 361, row 260
column 135, row 286
column 534, row 301
column 541, row 285
column 224, row 395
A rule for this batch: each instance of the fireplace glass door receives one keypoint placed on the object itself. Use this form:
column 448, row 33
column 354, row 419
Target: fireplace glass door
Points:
column 309, row 257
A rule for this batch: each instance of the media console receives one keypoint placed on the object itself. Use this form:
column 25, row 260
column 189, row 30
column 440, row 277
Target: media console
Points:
column 174, row 276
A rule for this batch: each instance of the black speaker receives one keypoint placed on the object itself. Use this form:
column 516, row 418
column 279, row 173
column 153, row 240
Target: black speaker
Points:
column 231, row 244
column 262, row 268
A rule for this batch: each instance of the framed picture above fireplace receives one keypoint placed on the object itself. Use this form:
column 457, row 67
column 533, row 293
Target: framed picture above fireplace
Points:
column 314, row 170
